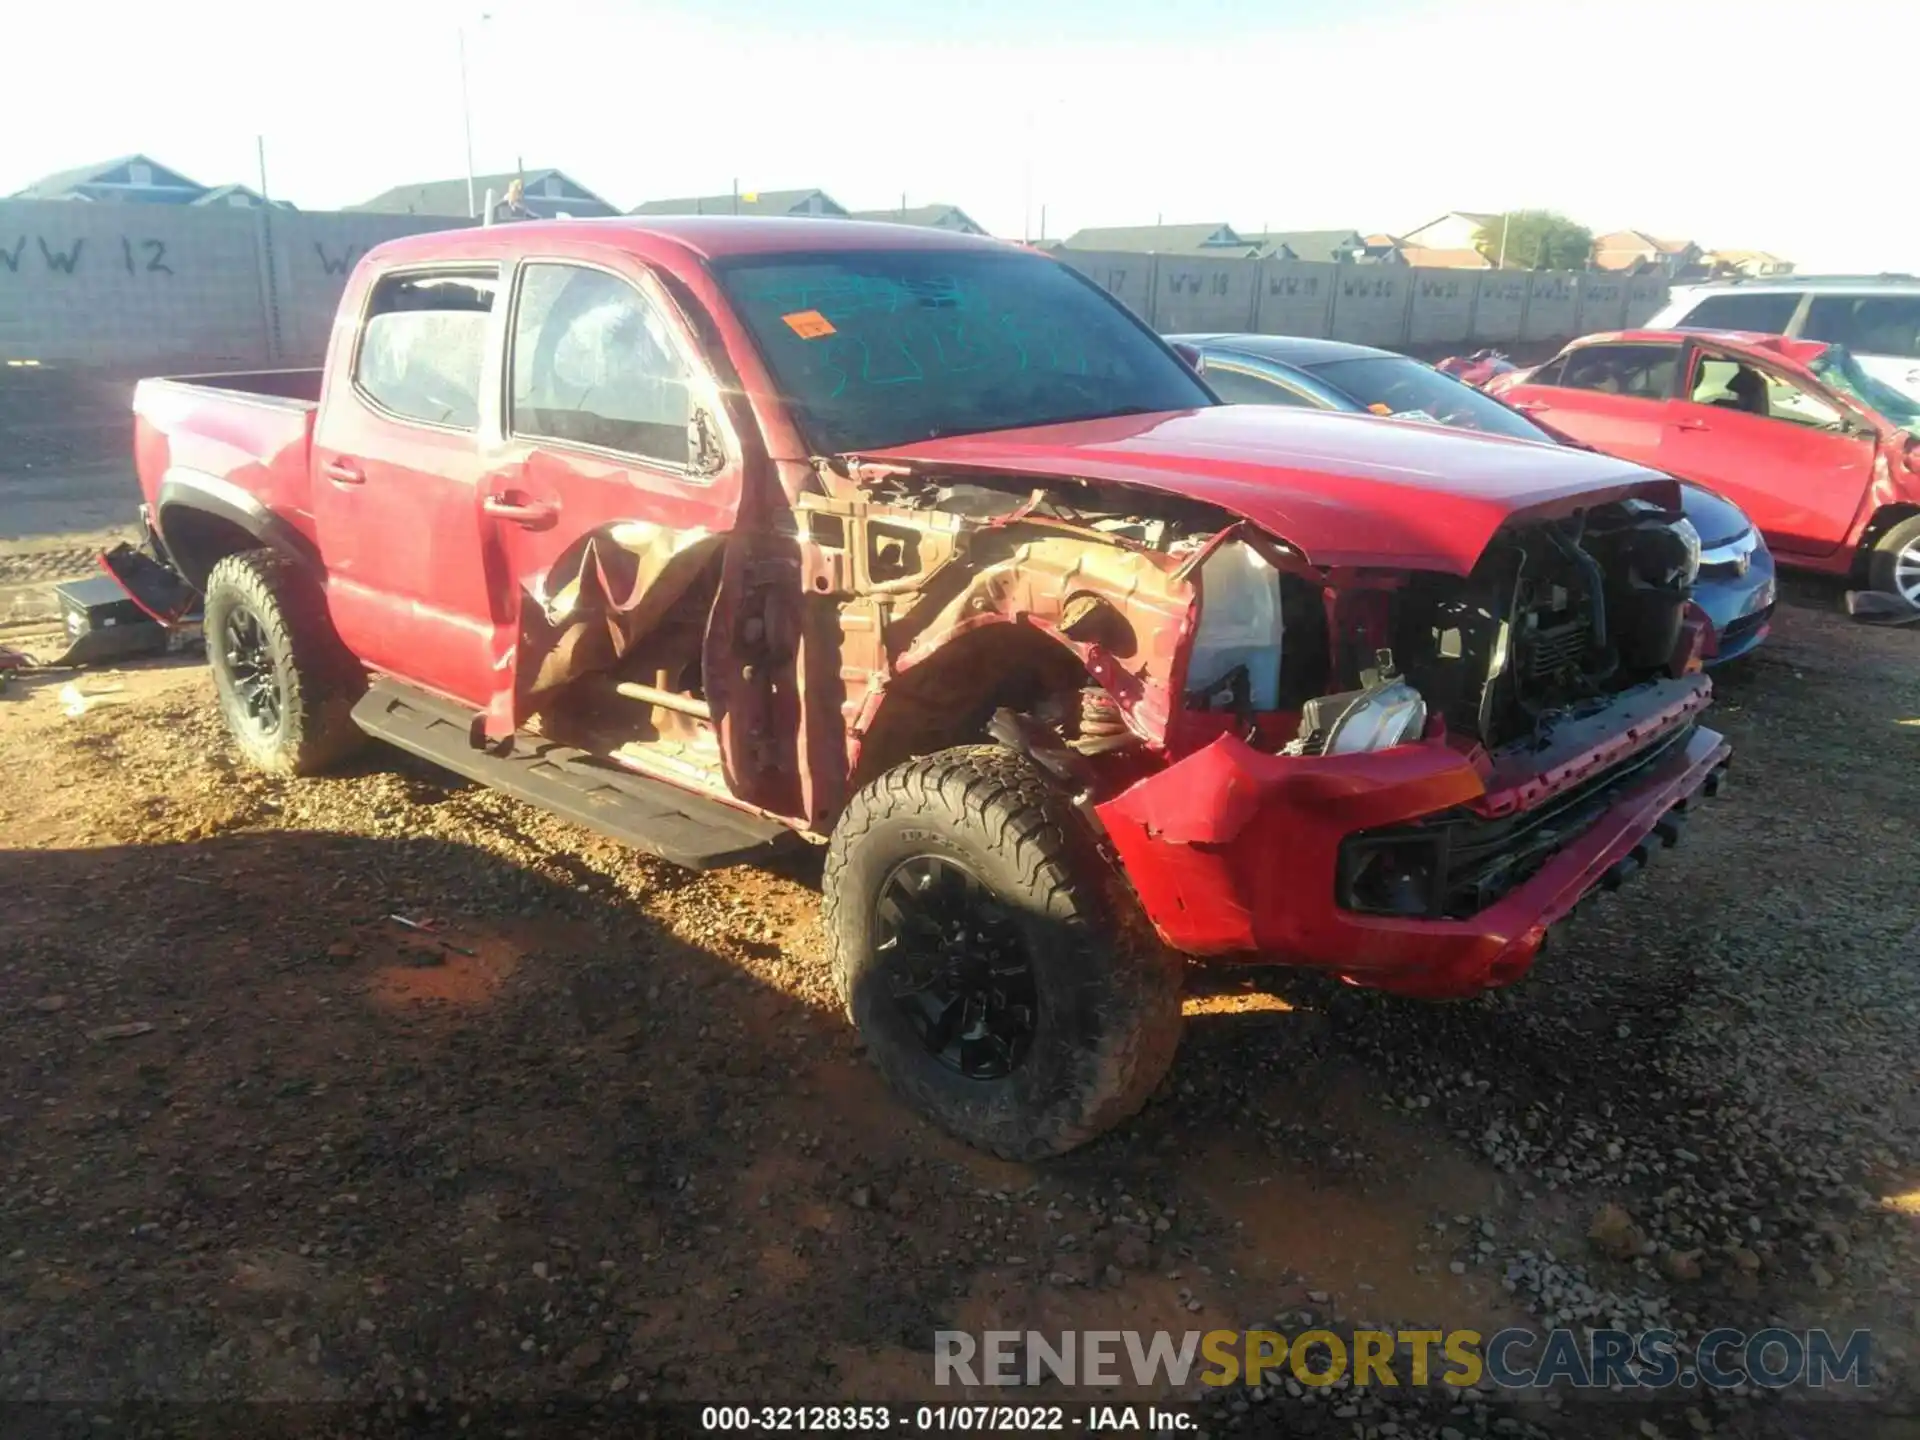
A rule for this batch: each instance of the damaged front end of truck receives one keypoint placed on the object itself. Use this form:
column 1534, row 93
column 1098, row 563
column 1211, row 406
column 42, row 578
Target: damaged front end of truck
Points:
column 1403, row 776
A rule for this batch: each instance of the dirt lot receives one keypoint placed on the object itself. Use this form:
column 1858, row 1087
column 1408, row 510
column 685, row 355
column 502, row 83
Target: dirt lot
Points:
column 605, row 1133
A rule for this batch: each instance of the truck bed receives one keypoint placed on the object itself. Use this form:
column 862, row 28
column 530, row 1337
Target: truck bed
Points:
column 249, row 429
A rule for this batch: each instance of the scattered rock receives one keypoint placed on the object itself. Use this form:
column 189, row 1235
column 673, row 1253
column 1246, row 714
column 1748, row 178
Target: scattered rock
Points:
column 121, row 1032
column 1614, row 1233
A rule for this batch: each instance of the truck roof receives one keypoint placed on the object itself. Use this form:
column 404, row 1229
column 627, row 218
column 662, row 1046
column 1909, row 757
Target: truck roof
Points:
column 709, row 237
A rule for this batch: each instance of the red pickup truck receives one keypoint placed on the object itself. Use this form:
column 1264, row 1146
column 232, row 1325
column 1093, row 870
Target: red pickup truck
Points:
column 716, row 533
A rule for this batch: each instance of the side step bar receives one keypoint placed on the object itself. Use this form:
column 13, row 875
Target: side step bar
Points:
column 647, row 814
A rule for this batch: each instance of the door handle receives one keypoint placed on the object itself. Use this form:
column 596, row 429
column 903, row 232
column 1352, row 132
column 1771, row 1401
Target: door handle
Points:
column 345, row 472
column 1690, row 425
column 1529, row 407
column 519, row 509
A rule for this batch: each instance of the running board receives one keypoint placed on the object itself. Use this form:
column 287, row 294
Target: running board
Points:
column 647, row 814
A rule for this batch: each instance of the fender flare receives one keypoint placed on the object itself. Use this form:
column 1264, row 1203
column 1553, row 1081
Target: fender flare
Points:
column 195, row 492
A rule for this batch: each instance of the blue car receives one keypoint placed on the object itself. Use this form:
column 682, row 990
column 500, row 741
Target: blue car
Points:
column 1735, row 588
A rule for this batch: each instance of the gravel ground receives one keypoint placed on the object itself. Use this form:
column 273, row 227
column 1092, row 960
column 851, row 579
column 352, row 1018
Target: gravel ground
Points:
column 605, row 1134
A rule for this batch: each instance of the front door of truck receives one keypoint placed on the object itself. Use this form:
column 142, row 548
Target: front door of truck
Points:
column 1776, row 447
column 396, row 470
column 610, row 490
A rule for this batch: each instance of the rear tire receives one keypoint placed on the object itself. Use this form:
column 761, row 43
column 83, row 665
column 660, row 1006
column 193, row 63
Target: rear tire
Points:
column 1001, row 974
column 286, row 684
column 1893, row 567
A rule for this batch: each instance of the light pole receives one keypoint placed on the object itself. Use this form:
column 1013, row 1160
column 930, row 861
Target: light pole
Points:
column 466, row 113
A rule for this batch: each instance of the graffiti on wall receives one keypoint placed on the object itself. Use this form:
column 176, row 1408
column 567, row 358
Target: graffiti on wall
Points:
column 137, row 257
column 348, row 258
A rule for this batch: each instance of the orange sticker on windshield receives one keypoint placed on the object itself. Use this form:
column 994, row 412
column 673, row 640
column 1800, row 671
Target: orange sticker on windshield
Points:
column 808, row 324
column 1379, row 409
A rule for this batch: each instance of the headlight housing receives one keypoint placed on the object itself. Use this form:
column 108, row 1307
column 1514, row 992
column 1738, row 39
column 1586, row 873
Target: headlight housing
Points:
column 1689, row 537
column 1385, row 716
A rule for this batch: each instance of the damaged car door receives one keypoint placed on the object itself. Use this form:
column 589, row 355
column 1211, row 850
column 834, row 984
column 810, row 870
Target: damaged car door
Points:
column 606, row 504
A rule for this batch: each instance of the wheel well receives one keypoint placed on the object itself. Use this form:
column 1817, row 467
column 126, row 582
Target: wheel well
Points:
column 197, row 540
column 948, row 698
column 1884, row 519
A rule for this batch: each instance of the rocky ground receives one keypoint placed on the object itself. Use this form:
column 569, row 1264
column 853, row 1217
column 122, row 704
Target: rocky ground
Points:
column 602, row 1132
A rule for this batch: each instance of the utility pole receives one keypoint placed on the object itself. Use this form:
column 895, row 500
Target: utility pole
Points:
column 466, row 115
column 260, row 151
column 1505, row 221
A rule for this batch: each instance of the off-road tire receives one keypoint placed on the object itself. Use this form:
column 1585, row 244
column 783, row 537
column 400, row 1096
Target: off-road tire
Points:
column 317, row 681
column 1884, row 572
column 1108, row 1016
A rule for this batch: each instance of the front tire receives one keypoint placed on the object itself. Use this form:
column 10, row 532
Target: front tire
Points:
column 999, row 971
column 286, row 683
column 1894, row 566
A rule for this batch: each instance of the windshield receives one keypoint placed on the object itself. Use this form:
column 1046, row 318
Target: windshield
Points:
column 1838, row 368
column 882, row 348
column 1408, row 390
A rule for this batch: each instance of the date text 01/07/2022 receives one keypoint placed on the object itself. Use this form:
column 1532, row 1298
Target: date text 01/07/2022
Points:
column 946, row 1419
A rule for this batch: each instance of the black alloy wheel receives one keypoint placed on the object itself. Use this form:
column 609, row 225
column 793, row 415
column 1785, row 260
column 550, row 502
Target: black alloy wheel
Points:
column 957, row 966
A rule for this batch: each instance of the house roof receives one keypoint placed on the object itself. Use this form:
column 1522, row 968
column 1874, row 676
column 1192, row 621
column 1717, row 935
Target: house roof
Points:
column 449, row 197
column 220, row 194
column 939, row 216
column 64, row 182
column 1640, row 240
column 1310, row 244
column 747, row 202
column 1445, row 259
column 1211, row 239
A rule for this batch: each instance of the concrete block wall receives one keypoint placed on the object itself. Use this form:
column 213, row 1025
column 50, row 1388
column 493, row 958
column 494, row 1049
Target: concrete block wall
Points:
column 136, row 287
column 1387, row 306
column 142, row 286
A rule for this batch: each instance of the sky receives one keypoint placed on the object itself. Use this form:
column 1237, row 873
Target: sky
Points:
column 1716, row 122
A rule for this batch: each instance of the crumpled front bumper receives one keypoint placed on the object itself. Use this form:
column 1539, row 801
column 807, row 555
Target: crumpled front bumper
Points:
column 1234, row 853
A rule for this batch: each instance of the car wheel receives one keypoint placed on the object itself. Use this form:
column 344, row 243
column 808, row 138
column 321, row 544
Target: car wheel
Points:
column 1000, row 973
column 1894, row 566
column 286, row 684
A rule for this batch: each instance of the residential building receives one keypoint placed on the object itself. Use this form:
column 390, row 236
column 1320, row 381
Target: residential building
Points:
column 1436, row 259
column 1209, row 239
column 549, row 194
column 1338, row 246
column 129, row 180
column 933, row 217
column 749, row 202
column 239, row 197
column 1455, row 230
column 1755, row 264
column 1634, row 252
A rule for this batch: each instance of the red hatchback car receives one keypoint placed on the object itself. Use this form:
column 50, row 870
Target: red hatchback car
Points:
column 1825, row 459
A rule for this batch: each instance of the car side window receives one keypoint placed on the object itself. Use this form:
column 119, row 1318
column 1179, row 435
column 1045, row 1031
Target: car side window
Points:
column 596, row 364
column 1549, row 373
column 1762, row 314
column 1643, row 372
column 423, row 345
column 1867, row 324
column 1734, row 385
column 1243, row 387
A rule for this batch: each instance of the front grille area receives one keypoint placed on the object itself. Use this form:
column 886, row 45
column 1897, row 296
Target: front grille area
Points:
column 1736, row 631
column 1453, row 865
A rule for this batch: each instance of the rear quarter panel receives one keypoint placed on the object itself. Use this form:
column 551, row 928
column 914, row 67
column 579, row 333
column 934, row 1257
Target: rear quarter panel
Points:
column 257, row 444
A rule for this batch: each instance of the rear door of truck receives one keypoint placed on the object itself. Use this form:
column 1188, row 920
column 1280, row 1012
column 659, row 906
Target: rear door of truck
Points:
column 397, row 469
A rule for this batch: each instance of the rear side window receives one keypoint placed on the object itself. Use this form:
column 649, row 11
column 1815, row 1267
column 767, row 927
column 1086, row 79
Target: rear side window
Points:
column 1762, row 314
column 1867, row 324
column 594, row 363
column 1644, row 372
column 423, row 346
column 1238, row 387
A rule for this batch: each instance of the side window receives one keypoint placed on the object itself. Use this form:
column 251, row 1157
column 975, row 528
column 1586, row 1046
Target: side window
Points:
column 1734, row 385
column 1549, row 373
column 1239, row 387
column 1644, row 372
column 1762, row 314
column 594, row 363
column 1867, row 324
column 423, row 345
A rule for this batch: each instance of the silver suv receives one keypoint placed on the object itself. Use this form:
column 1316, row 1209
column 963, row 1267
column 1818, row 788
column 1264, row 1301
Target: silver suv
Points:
column 1876, row 317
